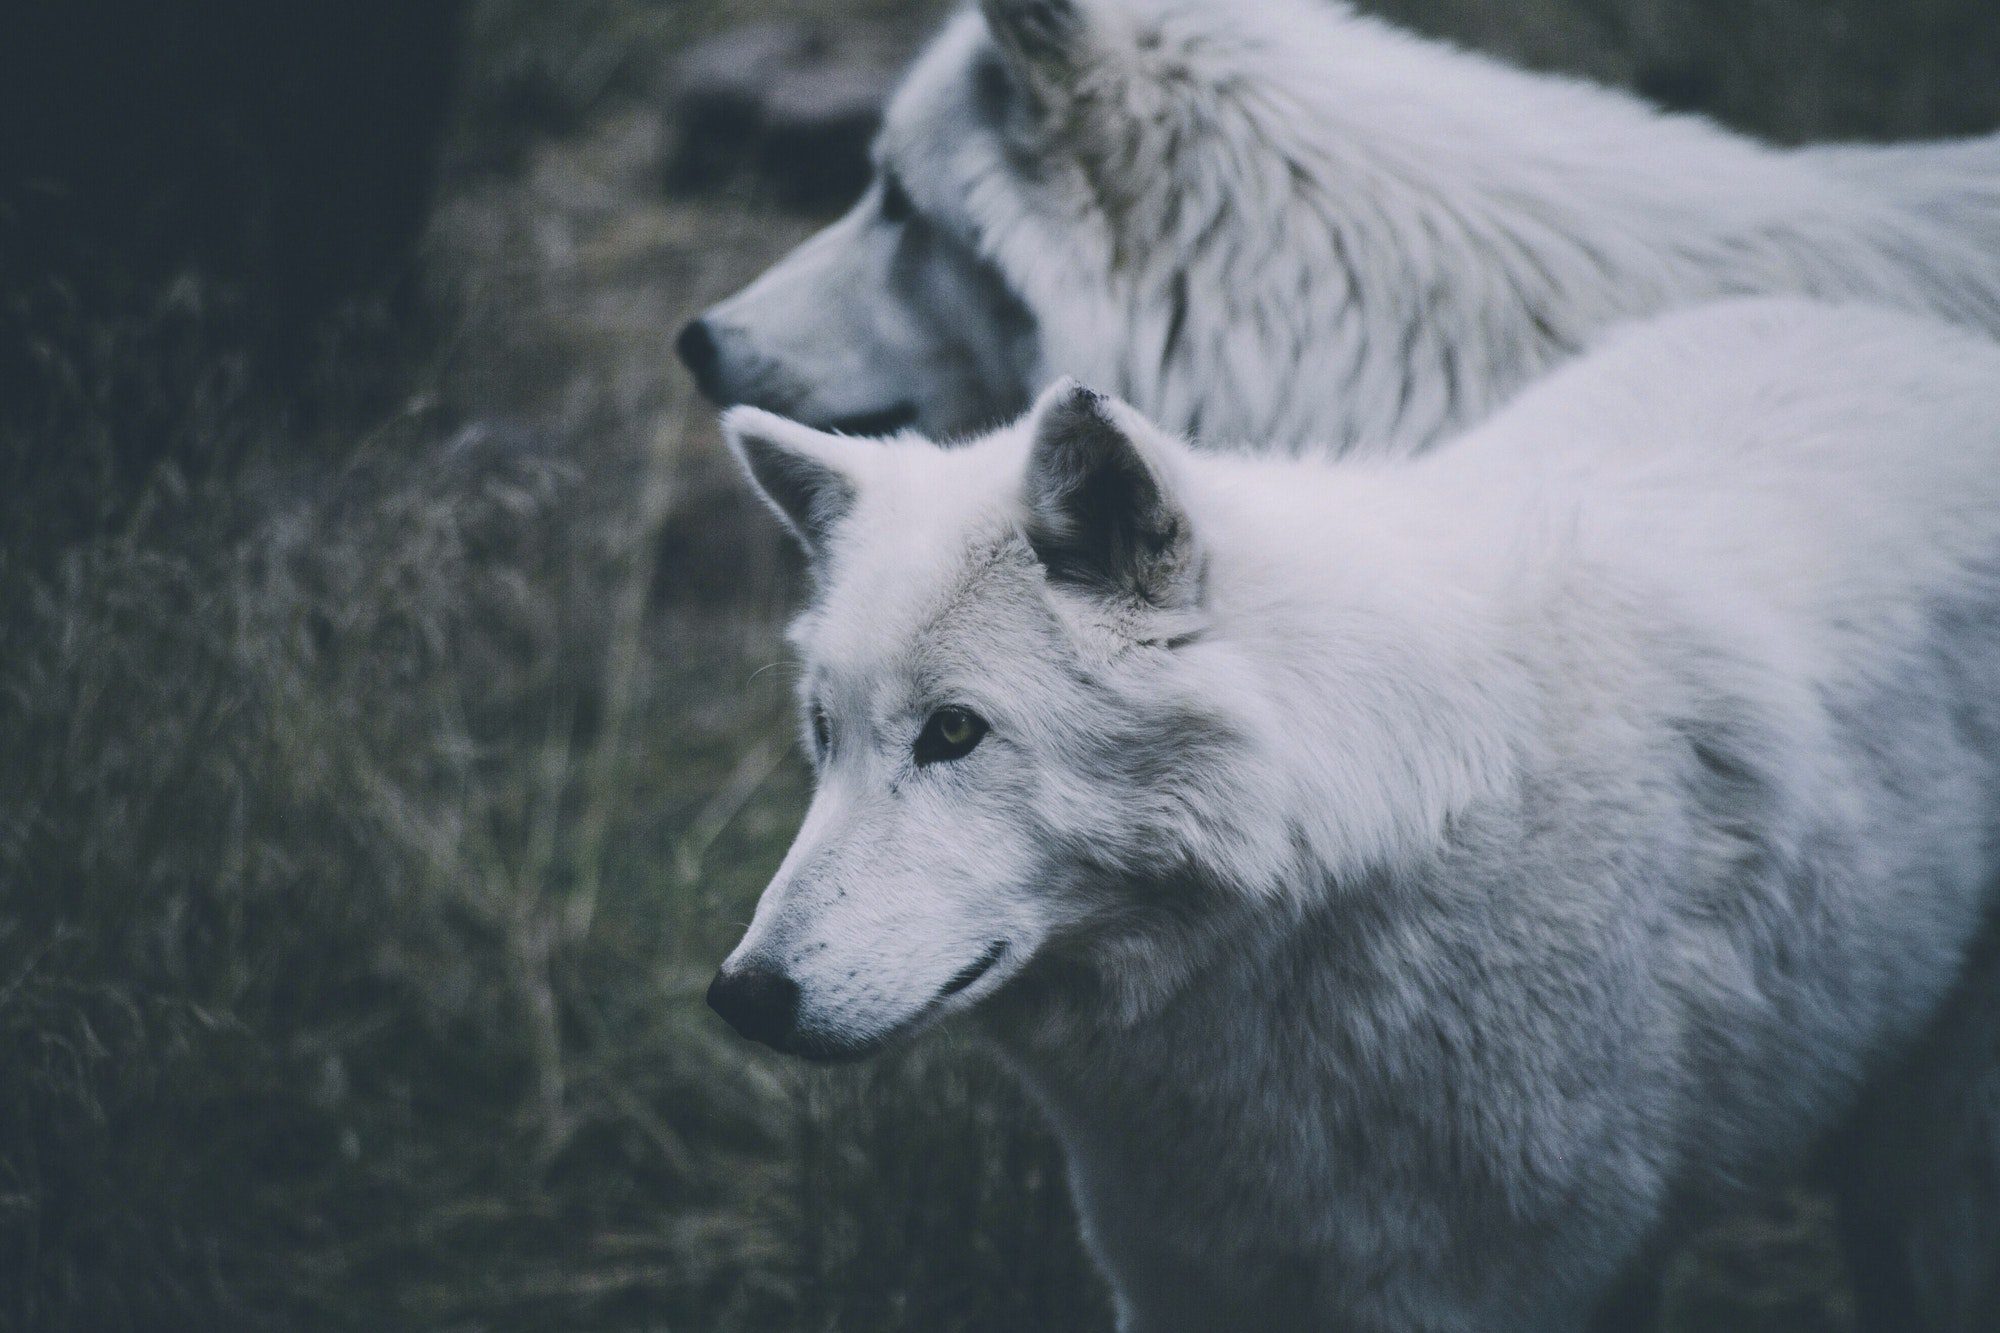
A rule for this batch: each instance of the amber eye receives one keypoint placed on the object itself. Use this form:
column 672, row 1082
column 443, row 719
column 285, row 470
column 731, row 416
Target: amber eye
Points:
column 950, row 733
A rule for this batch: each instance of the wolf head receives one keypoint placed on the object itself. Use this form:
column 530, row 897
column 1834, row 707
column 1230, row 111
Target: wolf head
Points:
column 1047, row 175
column 1025, row 751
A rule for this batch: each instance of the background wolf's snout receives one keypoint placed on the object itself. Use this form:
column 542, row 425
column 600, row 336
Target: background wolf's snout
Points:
column 700, row 353
column 758, row 1002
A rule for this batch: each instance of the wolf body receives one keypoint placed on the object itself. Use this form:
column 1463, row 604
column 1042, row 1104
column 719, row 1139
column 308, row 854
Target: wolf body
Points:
column 1283, row 224
column 1415, row 889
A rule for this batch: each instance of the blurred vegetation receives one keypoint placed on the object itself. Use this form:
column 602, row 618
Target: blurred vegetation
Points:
column 389, row 749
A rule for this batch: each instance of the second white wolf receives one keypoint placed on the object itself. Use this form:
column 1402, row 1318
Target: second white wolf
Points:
column 1281, row 223
column 1414, row 889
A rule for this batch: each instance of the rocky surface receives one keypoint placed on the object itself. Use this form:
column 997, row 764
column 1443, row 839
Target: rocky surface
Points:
column 791, row 107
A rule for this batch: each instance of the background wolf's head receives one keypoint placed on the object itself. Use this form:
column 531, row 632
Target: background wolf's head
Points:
column 1039, row 173
column 1226, row 214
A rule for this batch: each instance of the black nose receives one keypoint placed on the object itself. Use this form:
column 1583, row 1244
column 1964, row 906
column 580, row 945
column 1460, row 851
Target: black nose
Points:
column 761, row 1004
column 698, row 351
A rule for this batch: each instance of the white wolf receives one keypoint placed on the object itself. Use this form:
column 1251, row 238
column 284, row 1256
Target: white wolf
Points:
column 1415, row 889
column 1280, row 222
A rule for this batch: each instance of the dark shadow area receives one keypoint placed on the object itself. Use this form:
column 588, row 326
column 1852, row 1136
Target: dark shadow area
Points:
column 205, row 207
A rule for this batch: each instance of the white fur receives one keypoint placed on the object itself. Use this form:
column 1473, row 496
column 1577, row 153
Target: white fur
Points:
column 1277, row 222
column 1441, row 878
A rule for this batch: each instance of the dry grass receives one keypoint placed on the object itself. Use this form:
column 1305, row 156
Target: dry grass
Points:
column 374, row 804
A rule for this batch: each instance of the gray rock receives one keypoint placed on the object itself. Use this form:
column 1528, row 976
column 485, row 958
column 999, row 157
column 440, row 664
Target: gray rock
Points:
column 791, row 106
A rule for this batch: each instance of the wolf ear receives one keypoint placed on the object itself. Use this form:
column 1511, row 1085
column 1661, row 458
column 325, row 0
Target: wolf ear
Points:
column 801, row 473
column 1101, row 510
column 1044, row 42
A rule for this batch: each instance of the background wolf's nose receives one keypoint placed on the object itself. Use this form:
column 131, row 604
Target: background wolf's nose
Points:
column 758, row 1002
column 698, row 351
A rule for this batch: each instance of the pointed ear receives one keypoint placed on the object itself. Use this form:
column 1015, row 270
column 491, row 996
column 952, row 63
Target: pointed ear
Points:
column 1102, row 514
column 1044, row 42
column 805, row 475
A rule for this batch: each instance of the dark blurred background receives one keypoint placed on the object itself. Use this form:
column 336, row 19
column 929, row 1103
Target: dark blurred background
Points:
column 390, row 742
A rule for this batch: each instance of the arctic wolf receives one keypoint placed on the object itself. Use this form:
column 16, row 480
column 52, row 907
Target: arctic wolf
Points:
column 1415, row 889
column 1281, row 223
